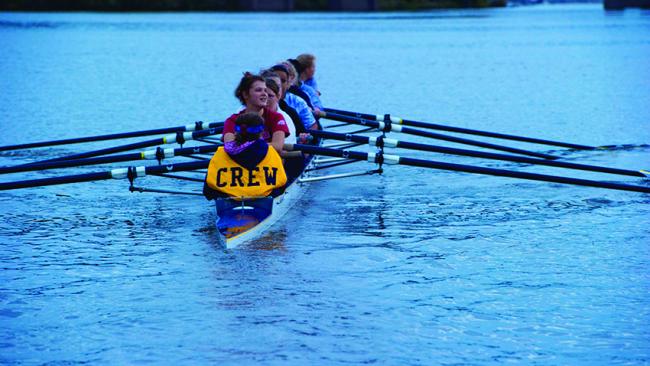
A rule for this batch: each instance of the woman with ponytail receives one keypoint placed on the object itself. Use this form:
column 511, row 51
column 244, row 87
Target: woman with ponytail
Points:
column 252, row 94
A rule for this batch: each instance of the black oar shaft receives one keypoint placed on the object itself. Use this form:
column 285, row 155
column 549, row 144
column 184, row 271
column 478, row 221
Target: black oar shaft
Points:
column 107, row 159
column 468, row 131
column 393, row 159
column 480, row 154
column 77, row 178
column 352, row 114
column 413, row 131
column 113, row 136
column 69, row 163
column 521, row 175
column 520, row 159
column 496, row 135
column 115, row 173
column 106, row 151
column 132, row 146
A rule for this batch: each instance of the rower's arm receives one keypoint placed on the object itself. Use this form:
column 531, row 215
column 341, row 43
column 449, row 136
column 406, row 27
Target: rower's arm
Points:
column 277, row 140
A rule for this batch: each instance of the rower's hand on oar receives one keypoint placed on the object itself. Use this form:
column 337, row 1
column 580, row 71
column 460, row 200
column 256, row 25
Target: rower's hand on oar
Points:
column 317, row 112
column 304, row 138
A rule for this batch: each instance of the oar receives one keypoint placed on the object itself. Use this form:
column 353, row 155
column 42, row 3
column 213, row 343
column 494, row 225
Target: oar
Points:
column 395, row 159
column 131, row 173
column 388, row 142
column 389, row 126
column 158, row 154
column 179, row 137
column 468, row 131
column 197, row 126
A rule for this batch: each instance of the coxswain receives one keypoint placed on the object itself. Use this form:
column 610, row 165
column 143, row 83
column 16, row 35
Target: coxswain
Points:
column 246, row 166
column 252, row 94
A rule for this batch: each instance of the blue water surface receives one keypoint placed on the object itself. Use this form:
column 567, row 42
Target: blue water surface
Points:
column 411, row 267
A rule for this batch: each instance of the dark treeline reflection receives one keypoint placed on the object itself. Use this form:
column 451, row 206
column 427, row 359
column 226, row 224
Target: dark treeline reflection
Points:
column 227, row 5
column 120, row 5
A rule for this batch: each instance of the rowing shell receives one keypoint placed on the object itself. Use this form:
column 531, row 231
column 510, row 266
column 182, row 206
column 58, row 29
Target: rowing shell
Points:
column 241, row 221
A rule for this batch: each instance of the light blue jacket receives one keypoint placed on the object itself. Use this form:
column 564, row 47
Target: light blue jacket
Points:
column 313, row 95
column 312, row 82
column 302, row 108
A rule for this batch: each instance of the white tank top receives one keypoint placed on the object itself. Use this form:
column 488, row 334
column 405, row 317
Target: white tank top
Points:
column 292, row 127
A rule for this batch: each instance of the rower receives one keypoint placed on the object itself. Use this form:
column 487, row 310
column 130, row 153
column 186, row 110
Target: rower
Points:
column 308, row 63
column 294, row 101
column 274, row 94
column 293, row 163
column 246, row 166
column 291, row 74
column 251, row 92
column 301, row 74
column 289, row 113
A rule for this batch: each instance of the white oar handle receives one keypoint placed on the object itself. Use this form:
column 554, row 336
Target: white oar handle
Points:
column 393, row 127
column 122, row 173
column 387, row 141
column 388, row 159
column 170, row 139
column 153, row 154
column 381, row 117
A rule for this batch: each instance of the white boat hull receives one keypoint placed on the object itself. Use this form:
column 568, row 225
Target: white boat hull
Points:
column 279, row 207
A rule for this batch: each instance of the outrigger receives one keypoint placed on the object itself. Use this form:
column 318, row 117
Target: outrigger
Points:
column 244, row 219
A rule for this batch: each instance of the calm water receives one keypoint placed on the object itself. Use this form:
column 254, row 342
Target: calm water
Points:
column 413, row 267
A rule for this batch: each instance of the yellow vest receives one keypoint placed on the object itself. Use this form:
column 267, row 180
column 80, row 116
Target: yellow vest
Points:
column 226, row 176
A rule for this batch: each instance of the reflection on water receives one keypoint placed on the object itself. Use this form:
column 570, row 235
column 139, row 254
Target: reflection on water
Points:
column 410, row 267
column 273, row 240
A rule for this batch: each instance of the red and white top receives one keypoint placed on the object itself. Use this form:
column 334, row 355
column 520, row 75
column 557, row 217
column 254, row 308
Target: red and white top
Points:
column 273, row 122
